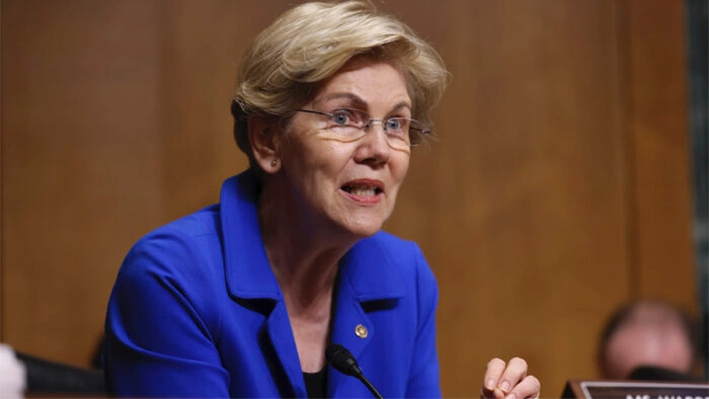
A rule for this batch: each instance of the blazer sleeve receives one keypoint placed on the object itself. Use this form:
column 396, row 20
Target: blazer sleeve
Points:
column 160, row 326
column 424, row 378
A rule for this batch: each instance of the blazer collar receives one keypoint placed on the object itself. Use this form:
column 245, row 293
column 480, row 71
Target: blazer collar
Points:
column 366, row 267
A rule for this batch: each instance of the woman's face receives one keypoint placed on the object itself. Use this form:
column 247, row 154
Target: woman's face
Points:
column 343, row 185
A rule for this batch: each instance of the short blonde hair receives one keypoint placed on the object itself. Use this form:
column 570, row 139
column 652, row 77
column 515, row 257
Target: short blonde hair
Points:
column 311, row 42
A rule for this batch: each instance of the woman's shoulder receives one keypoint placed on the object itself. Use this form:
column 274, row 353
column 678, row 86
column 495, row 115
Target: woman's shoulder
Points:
column 173, row 273
column 392, row 245
column 405, row 256
column 205, row 221
column 396, row 265
column 188, row 245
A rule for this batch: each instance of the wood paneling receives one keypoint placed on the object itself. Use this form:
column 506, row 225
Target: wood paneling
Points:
column 81, row 163
column 657, row 129
column 528, row 232
column 558, row 188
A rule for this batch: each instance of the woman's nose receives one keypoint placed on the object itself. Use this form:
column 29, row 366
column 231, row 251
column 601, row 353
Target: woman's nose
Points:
column 374, row 146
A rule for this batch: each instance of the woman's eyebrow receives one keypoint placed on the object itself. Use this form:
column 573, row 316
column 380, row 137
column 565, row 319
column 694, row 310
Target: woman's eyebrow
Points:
column 355, row 99
column 401, row 105
column 360, row 103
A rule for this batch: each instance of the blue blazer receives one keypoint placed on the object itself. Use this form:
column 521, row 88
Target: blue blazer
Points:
column 196, row 312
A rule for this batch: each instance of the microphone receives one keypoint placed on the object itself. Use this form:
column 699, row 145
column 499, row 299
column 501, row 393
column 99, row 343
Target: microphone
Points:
column 342, row 360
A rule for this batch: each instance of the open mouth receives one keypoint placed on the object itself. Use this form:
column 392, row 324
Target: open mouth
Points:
column 363, row 189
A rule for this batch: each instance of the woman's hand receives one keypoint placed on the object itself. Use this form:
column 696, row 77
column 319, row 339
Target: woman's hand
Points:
column 509, row 380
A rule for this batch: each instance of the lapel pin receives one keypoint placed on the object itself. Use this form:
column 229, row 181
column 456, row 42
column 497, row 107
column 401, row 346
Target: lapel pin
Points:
column 361, row 331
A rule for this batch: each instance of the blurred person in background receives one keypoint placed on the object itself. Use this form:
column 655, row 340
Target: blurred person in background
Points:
column 649, row 340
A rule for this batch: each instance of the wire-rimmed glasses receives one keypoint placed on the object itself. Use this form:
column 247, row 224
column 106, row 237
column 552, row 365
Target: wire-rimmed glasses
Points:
column 351, row 124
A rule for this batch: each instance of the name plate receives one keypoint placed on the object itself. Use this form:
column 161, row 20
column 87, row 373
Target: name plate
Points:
column 634, row 390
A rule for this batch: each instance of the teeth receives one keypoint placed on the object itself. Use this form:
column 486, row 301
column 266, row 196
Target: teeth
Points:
column 363, row 191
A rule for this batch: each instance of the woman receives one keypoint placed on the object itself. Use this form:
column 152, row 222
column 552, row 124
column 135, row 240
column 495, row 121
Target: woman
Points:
column 242, row 298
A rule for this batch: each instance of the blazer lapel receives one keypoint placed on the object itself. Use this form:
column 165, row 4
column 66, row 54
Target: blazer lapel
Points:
column 365, row 275
column 281, row 335
column 249, row 276
column 351, row 329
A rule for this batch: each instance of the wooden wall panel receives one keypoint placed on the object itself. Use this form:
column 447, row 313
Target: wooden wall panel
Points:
column 538, row 208
column 528, row 175
column 202, row 46
column 657, row 131
column 81, row 164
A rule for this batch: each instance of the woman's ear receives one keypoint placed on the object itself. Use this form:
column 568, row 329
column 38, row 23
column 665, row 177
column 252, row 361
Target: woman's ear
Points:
column 264, row 139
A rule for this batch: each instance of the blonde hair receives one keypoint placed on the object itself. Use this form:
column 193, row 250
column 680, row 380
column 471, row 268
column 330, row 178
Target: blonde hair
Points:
column 311, row 42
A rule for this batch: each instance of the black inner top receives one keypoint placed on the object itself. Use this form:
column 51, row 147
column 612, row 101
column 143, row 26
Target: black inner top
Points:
column 316, row 383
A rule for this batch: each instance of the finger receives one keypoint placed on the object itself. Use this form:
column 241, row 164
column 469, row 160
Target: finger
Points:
column 516, row 371
column 528, row 388
column 495, row 368
column 494, row 394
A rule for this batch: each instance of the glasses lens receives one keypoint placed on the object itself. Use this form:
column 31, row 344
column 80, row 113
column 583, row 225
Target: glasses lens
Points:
column 350, row 124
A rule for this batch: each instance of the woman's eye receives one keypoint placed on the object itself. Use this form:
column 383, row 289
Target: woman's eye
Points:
column 393, row 124
column 398, row 124
column 340, row 117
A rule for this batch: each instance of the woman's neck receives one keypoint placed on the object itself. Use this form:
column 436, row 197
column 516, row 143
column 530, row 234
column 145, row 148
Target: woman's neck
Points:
column 303, row 257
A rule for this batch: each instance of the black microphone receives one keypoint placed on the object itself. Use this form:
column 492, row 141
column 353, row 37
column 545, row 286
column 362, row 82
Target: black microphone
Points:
column 343, row 361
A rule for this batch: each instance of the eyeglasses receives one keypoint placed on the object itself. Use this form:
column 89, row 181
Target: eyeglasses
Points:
column 351, row 124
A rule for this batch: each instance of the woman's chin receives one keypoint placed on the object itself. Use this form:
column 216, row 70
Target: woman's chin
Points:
column 364, row 228
column 364, row 233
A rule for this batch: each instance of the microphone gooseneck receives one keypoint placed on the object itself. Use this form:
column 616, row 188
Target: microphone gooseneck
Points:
column 342, row 360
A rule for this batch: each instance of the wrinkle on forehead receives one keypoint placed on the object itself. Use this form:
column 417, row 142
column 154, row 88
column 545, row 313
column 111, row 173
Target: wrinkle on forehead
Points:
column 349, row 88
